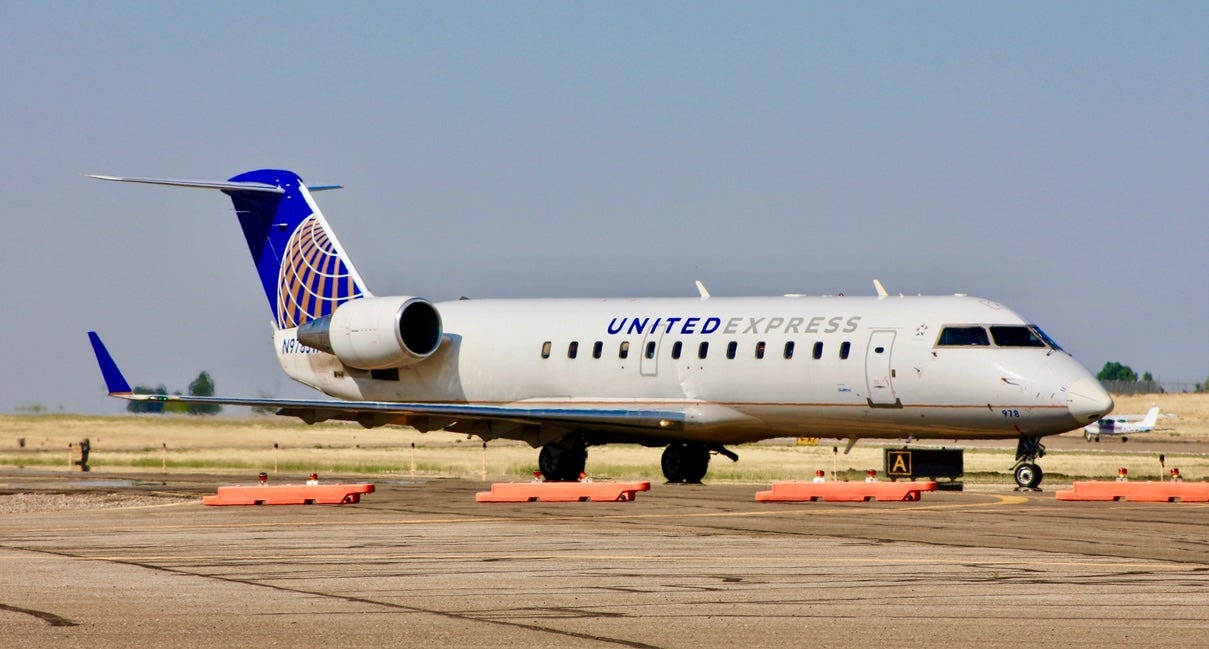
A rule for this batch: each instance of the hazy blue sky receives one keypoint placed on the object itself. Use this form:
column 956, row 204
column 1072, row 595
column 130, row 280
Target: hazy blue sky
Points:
column 1051, row 156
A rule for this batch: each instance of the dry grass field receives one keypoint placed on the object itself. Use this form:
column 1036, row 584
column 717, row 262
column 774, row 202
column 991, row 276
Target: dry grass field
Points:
column 154, row 444
column 1190, row 412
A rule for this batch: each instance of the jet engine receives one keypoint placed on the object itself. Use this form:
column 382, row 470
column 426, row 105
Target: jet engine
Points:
column 377, row 332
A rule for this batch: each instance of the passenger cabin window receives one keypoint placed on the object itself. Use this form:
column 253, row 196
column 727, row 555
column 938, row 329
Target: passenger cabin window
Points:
column 703, row 350
column 573, row 349
column 624, row 350
column 676, row 347
column 546, row 349
column 789, row 349
column 597, row 349
column 818, row 351
column 731, row 348
column 650, row 349
column 760, row 349
column 963, row 337
column 1015, row 336
column 845, row 347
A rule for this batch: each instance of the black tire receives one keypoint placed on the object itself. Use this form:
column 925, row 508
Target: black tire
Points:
column 685, row 463
column 559, row 464
column 1028, row 475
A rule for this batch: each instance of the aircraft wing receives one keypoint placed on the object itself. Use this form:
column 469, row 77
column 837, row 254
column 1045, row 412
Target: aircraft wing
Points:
column 428, row 416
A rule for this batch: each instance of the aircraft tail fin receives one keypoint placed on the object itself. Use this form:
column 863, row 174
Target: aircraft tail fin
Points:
column 304, row 270
column 114, row 381
column 1152, row 417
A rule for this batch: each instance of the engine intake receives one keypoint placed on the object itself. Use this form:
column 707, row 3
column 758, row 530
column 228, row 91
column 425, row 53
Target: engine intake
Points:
column 377, row 332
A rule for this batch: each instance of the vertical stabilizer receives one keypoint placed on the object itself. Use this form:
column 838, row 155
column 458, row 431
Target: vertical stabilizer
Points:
column 302, row 266
column 1152, row 417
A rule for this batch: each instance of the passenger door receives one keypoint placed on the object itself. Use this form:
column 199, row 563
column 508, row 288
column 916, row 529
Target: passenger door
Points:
column 879, row 375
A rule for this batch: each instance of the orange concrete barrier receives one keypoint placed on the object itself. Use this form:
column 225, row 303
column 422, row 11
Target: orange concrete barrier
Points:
column 1138, row 492
column 844, row 492
column 561, row 492
column 327, row 494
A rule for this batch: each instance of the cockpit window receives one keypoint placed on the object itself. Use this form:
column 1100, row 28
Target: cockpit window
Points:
column 963, row 337
column 1016, row 336
column 1049, row 341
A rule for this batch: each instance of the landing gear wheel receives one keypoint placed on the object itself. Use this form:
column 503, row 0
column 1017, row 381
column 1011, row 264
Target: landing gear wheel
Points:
column 1028, row 475
column 561, row 464
column 685, row 462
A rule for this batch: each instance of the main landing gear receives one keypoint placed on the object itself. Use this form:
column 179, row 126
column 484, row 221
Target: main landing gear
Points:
column 564, row 460
column 687, row 462
column 1028, row 474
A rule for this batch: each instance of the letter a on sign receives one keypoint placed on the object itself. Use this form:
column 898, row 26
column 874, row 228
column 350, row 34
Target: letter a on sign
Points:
column 898, row 463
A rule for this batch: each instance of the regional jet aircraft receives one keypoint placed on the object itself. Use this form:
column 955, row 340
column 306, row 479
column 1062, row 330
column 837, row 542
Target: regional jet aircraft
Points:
column 693, row 375
column 1122, row 425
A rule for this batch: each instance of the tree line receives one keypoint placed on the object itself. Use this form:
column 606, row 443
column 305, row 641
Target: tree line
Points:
column 202, row 386
column 1121, row 379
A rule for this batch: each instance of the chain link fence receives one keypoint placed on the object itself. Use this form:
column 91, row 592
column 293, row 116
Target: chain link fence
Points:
column 1150, row 387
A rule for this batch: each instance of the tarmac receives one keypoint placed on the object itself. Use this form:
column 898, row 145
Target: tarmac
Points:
column 137, row 561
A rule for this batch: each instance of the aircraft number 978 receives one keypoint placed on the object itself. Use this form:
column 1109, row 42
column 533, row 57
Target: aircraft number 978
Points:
column 1010, row 414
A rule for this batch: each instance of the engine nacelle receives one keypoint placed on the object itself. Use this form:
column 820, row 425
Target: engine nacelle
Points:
column 376, row 333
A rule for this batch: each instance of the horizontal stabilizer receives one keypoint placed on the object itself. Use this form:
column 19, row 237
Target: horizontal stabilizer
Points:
column 304, row 271
column 200, row 184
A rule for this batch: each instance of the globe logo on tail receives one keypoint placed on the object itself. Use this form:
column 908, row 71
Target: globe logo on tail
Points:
column 314, row 278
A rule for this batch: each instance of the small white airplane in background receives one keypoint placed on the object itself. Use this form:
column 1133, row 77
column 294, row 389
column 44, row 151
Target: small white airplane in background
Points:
column 1122, row 425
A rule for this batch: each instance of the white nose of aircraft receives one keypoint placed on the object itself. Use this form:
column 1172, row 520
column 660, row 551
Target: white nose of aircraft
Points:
column 1087, row 400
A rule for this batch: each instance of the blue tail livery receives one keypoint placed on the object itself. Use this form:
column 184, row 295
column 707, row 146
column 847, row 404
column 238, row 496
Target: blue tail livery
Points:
column 114, row 381
column 304, row 271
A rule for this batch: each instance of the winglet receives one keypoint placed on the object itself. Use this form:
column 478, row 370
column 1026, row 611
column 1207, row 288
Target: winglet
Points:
column 114, row 381
column 881, row 290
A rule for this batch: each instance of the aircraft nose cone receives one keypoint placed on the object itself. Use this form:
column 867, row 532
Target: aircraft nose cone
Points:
column 1087, row 400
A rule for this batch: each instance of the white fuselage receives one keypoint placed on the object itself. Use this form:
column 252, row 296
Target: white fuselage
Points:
column 879, row 371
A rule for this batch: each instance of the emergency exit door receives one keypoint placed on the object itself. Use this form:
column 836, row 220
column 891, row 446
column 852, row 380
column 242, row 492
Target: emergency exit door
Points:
column 879, row 373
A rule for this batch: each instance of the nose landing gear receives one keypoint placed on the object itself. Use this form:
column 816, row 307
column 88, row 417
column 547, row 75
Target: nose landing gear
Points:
column 1028, row 475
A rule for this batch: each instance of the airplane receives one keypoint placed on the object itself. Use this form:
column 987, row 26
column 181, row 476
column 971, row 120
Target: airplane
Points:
column 691, row 374
column 1122, row 425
